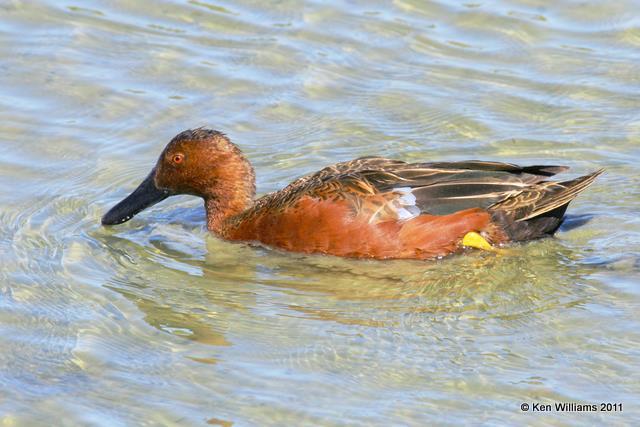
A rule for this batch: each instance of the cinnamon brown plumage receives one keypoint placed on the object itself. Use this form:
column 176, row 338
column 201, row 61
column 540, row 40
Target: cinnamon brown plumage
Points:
column 369, row 207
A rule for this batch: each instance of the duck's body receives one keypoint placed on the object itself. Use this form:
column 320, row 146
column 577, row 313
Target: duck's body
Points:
column 366, row 208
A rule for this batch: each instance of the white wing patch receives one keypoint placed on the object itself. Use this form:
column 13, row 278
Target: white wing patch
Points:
column 401, row 208
column 405, row 205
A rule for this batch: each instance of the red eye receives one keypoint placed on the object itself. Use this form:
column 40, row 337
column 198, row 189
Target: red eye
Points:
column 178, row 158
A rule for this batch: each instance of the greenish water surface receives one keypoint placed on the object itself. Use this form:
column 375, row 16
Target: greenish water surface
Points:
column 156, row 322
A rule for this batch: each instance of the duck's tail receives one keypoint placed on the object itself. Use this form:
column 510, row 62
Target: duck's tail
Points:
column 539, row 210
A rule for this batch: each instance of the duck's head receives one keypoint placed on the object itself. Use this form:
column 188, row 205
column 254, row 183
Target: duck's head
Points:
column 200, row 162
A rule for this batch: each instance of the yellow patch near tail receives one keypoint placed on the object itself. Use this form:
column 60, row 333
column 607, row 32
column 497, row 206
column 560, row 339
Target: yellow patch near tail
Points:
column 475, row 240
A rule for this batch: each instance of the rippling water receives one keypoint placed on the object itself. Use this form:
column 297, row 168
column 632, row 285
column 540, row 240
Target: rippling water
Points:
column 156, row 322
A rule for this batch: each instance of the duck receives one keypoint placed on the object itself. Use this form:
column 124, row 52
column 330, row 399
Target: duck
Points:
column 370, row 207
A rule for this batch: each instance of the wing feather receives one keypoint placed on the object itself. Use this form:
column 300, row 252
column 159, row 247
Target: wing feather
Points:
column 384, row 188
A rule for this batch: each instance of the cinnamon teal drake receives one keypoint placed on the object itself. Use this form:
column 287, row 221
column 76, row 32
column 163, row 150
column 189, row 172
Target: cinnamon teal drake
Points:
column 370, row 207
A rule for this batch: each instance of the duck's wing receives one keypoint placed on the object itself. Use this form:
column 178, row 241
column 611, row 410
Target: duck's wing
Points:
column 444, row 188
column 386, row 188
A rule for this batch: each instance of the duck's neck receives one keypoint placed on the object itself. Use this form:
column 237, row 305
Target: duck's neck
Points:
column 231, row 194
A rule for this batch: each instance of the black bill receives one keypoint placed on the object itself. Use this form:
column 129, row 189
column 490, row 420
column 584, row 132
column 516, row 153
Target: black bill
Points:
column 147, row 194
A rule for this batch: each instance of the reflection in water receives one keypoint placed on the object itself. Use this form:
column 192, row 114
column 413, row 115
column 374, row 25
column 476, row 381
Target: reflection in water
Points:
column 475, row 285
column 218, row 422
column 169, row 319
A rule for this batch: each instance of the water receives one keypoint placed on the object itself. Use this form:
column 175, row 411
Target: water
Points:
column 156, row 322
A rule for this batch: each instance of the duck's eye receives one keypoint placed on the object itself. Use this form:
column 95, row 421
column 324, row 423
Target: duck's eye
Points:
column 177, row 158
